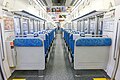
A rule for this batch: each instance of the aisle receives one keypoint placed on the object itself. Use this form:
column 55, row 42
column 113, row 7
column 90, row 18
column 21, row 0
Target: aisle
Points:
column 58, row 67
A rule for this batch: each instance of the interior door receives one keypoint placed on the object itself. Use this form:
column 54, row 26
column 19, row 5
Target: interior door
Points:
column 116, row 71
column 117, row 75
column 1, row 74
column 1, row 56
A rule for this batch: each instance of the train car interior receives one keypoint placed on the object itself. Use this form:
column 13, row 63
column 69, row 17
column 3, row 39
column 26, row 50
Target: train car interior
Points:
column 59, row 39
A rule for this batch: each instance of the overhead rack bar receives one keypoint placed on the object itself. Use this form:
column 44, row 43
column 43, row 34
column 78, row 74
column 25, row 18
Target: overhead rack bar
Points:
column 27, row 14
column 90, row 14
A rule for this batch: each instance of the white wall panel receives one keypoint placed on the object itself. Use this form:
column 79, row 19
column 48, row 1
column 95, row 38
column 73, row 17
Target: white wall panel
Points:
column 1, row 2
column 68, row 2
column 117, row 2
column 49, row 2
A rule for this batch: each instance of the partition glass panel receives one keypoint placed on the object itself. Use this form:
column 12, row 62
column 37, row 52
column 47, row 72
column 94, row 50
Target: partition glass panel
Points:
column 92, row 26
column 78, row 25
column 25, row 26
column 100, row 25
column 86, row 23
column 42, row 25
column 82, row 26
column 39, row 26
column 73, row 25
column 17, row 24
column 31, row 28
column 35, row 25
column 70, row 25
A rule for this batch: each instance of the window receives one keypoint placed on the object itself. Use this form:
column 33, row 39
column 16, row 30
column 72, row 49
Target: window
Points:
column 25, row 26
column 31, row 28
column 17, row 25
column 36, row 25
column 39, row 26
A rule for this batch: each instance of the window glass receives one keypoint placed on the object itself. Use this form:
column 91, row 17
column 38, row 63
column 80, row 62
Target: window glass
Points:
column 86, row 26
column 35, row 25
column 25, row 26
column 17, row 26
column 92, row 26
column 31, row 28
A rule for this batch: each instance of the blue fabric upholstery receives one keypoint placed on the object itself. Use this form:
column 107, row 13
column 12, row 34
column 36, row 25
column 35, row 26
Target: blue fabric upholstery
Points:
column 45, row 46
column 51, row 36
column 71, row 43
column 48, row 41
column 94, row 42
column 66, row 36
column 72, row 55
column 28, row 42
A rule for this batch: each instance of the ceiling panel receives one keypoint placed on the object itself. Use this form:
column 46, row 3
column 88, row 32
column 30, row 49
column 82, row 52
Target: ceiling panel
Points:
column 49, row 2
column 68, row 2
column 58, row 2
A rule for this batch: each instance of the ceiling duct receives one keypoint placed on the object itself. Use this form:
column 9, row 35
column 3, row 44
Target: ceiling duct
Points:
column 43, row 2
column 73, row 2
column 58, row 2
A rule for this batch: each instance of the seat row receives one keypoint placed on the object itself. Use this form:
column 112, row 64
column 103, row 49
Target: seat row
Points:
column 87, row 52
column 33, row 49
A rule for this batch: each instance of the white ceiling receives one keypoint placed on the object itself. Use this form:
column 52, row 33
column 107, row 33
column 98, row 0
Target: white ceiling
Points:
column 117, row 2
column 49, row 2
column 68, row 2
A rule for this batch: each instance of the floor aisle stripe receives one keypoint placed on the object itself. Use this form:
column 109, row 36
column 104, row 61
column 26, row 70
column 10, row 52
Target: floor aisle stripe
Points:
column 100, row 79
column 18, row 79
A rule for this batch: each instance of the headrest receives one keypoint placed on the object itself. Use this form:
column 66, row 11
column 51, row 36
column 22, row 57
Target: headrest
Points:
column 93, row 41
column 28, row 42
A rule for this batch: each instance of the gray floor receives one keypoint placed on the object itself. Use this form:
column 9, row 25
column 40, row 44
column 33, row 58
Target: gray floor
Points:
column 58, row 67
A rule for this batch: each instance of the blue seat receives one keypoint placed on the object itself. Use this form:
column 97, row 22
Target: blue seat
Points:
column 28, row 42
column 66, row 37
column 71, row 45
column 94, row 41
column 46, row 43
